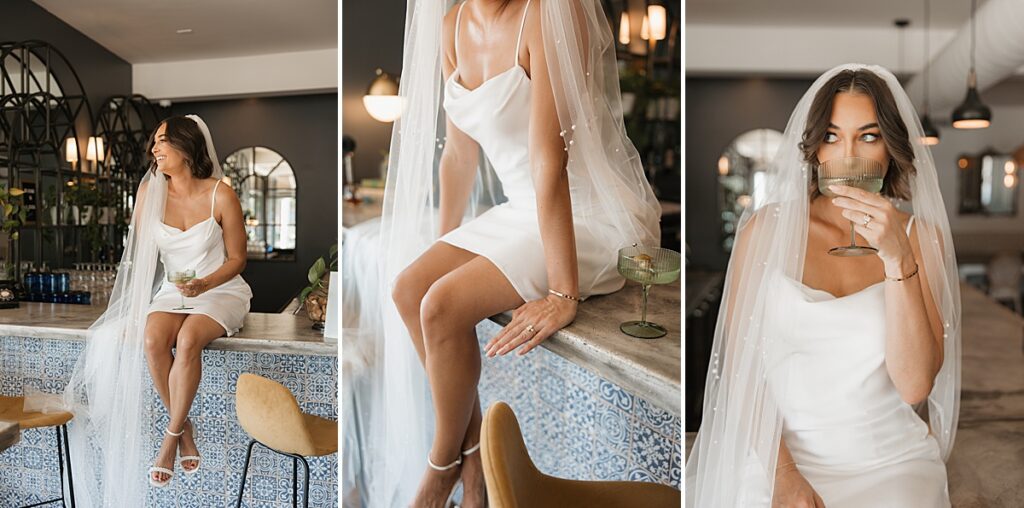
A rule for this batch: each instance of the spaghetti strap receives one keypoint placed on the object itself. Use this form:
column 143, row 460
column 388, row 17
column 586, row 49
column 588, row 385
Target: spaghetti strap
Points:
column 213, row 202
column 909, row 223
column 458, row 21
column 520, row 37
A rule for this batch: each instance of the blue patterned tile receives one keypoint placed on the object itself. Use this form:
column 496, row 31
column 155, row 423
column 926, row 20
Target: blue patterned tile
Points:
column 651, row 451
column 609, row 465
column 662, row 421
column 616, row 396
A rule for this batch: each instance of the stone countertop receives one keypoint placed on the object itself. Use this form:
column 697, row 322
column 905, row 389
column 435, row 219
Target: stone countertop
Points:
column 261, row 333
column 988, row 455
column 647, row 368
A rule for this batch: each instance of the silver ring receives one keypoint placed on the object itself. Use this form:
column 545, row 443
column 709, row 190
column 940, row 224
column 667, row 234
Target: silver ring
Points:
column 530, row 328
column 867, row 219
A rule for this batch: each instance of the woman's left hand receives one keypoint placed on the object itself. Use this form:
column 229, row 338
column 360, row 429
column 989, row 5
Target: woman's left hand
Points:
column 194, row 287
column 877, row 220
column 531, row 324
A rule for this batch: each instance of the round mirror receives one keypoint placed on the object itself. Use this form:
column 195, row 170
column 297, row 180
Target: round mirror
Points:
column 265, row 184
column 743, row 177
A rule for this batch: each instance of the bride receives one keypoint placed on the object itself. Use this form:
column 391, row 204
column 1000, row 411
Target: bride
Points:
column 108, row 391
column 532, row 85
column 820, row 361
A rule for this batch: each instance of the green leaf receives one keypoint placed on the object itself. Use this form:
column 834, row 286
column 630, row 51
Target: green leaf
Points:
column 8, row 208
column 16, row 191
column 334, row 250
column 317, row 270
column 14, row 235
column 304, row 294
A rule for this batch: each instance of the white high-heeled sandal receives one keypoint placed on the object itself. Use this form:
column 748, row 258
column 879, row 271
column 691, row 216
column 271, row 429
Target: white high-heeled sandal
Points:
column 157, row 469
column 451, row 495
column 196, row 458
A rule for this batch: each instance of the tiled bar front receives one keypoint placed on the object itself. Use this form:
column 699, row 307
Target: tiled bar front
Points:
column 29, row 472
column 579, row 425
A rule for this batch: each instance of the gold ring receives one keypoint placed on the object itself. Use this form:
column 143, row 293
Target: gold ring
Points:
column 868, row 219
column 530, row 328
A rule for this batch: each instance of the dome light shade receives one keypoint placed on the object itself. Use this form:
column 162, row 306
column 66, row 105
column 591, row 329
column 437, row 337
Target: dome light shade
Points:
column 931, row 134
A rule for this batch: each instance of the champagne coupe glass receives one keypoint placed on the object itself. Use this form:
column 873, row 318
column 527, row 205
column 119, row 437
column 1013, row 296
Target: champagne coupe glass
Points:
column 866, row 174
column 181, row 277
column 647, row 265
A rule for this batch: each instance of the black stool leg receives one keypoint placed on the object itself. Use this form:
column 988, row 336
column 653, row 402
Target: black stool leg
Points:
column 67, row 457
column 305, row 492
column 245, row 469
column 60, row 465
column 295, row 483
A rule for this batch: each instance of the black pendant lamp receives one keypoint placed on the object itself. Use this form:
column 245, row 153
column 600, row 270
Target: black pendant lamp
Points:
column 931, row 133
column 972, row 113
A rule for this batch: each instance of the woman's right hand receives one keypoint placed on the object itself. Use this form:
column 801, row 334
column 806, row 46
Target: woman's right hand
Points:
column 793, row 491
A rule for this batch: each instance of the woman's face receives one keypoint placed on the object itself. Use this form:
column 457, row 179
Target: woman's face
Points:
column 853, row 131
column 168, row 158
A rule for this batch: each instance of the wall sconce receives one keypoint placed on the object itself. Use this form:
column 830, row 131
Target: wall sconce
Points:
column 382, row 101
column 645, row 29
column 624, row 28
column 658, row 24
column 723, row 165
column 71, row 150
column 94, row 151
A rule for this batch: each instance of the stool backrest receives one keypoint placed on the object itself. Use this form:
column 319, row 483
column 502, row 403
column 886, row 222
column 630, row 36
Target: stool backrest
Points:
column 508, row 470
column 269, row 414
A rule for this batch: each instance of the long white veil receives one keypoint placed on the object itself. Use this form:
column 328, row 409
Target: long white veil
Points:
column 736, row 449
column 605, row 174
column 110, row 391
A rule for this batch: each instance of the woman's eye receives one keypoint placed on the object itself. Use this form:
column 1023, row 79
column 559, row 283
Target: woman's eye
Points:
column 830, row 137
column 870, row 137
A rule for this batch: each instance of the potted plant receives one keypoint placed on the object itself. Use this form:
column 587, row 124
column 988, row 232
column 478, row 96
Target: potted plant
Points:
column 314, row 296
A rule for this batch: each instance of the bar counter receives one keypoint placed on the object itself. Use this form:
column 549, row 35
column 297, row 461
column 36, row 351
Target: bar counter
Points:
column 40, row 344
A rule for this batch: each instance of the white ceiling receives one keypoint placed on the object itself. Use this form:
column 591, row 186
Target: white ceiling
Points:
column 822, row 13
column 144, row 31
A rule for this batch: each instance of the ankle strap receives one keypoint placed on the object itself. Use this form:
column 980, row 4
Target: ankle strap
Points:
column 436, row 467
column 169, row 433
column 471, row 450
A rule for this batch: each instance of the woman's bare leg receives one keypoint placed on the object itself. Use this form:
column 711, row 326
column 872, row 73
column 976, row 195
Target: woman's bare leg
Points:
column 412, row 284
column 160, row 334
column 449, row 313
column 196, row 333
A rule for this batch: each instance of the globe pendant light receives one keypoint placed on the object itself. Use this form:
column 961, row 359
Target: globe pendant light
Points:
column 972, row 113
column 931, row 134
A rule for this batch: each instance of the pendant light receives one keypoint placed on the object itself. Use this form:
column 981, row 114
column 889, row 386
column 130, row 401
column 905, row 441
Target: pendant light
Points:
column 931, row 134
column 972, row 113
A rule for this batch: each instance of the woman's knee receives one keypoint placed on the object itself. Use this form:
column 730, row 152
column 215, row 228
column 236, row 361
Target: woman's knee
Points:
column 439, row 315
column 188, row 344
column 408, row 290
column 158, row 339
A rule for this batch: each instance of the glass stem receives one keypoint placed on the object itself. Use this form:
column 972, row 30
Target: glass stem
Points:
column 853, row 235
column 643, row 304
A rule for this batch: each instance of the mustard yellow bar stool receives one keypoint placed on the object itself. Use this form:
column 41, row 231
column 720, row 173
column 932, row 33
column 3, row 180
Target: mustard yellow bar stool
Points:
column 270, row 415
column 514, row 482
column 12, row 409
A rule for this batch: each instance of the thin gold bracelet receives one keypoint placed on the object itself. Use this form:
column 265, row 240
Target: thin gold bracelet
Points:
column 563, row 295
column 913, row 273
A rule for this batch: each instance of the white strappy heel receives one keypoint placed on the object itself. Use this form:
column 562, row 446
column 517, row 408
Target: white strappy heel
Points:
column 157, row 469
column 449, row 501
column 197, row 459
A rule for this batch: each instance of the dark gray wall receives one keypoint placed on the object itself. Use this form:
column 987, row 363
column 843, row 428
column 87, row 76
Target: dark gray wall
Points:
column 372, row 37
column 304, row 129
column 718, row 110
column 103, row 73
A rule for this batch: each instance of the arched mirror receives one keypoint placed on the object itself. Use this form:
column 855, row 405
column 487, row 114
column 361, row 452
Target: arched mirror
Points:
column 988, row 183
column 265, row 184
column 743, row 177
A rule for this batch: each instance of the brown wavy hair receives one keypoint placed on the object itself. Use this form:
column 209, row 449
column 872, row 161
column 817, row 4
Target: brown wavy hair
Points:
column 185, row 136
column 894, row 132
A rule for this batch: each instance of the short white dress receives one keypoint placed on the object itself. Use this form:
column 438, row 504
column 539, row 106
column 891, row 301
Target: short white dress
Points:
column 850, row 433
column 201, row 248
column 496, row 115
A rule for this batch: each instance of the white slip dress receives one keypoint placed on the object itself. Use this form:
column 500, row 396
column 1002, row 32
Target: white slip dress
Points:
column 496, row 115
column 851, row 435
column 201, row 248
